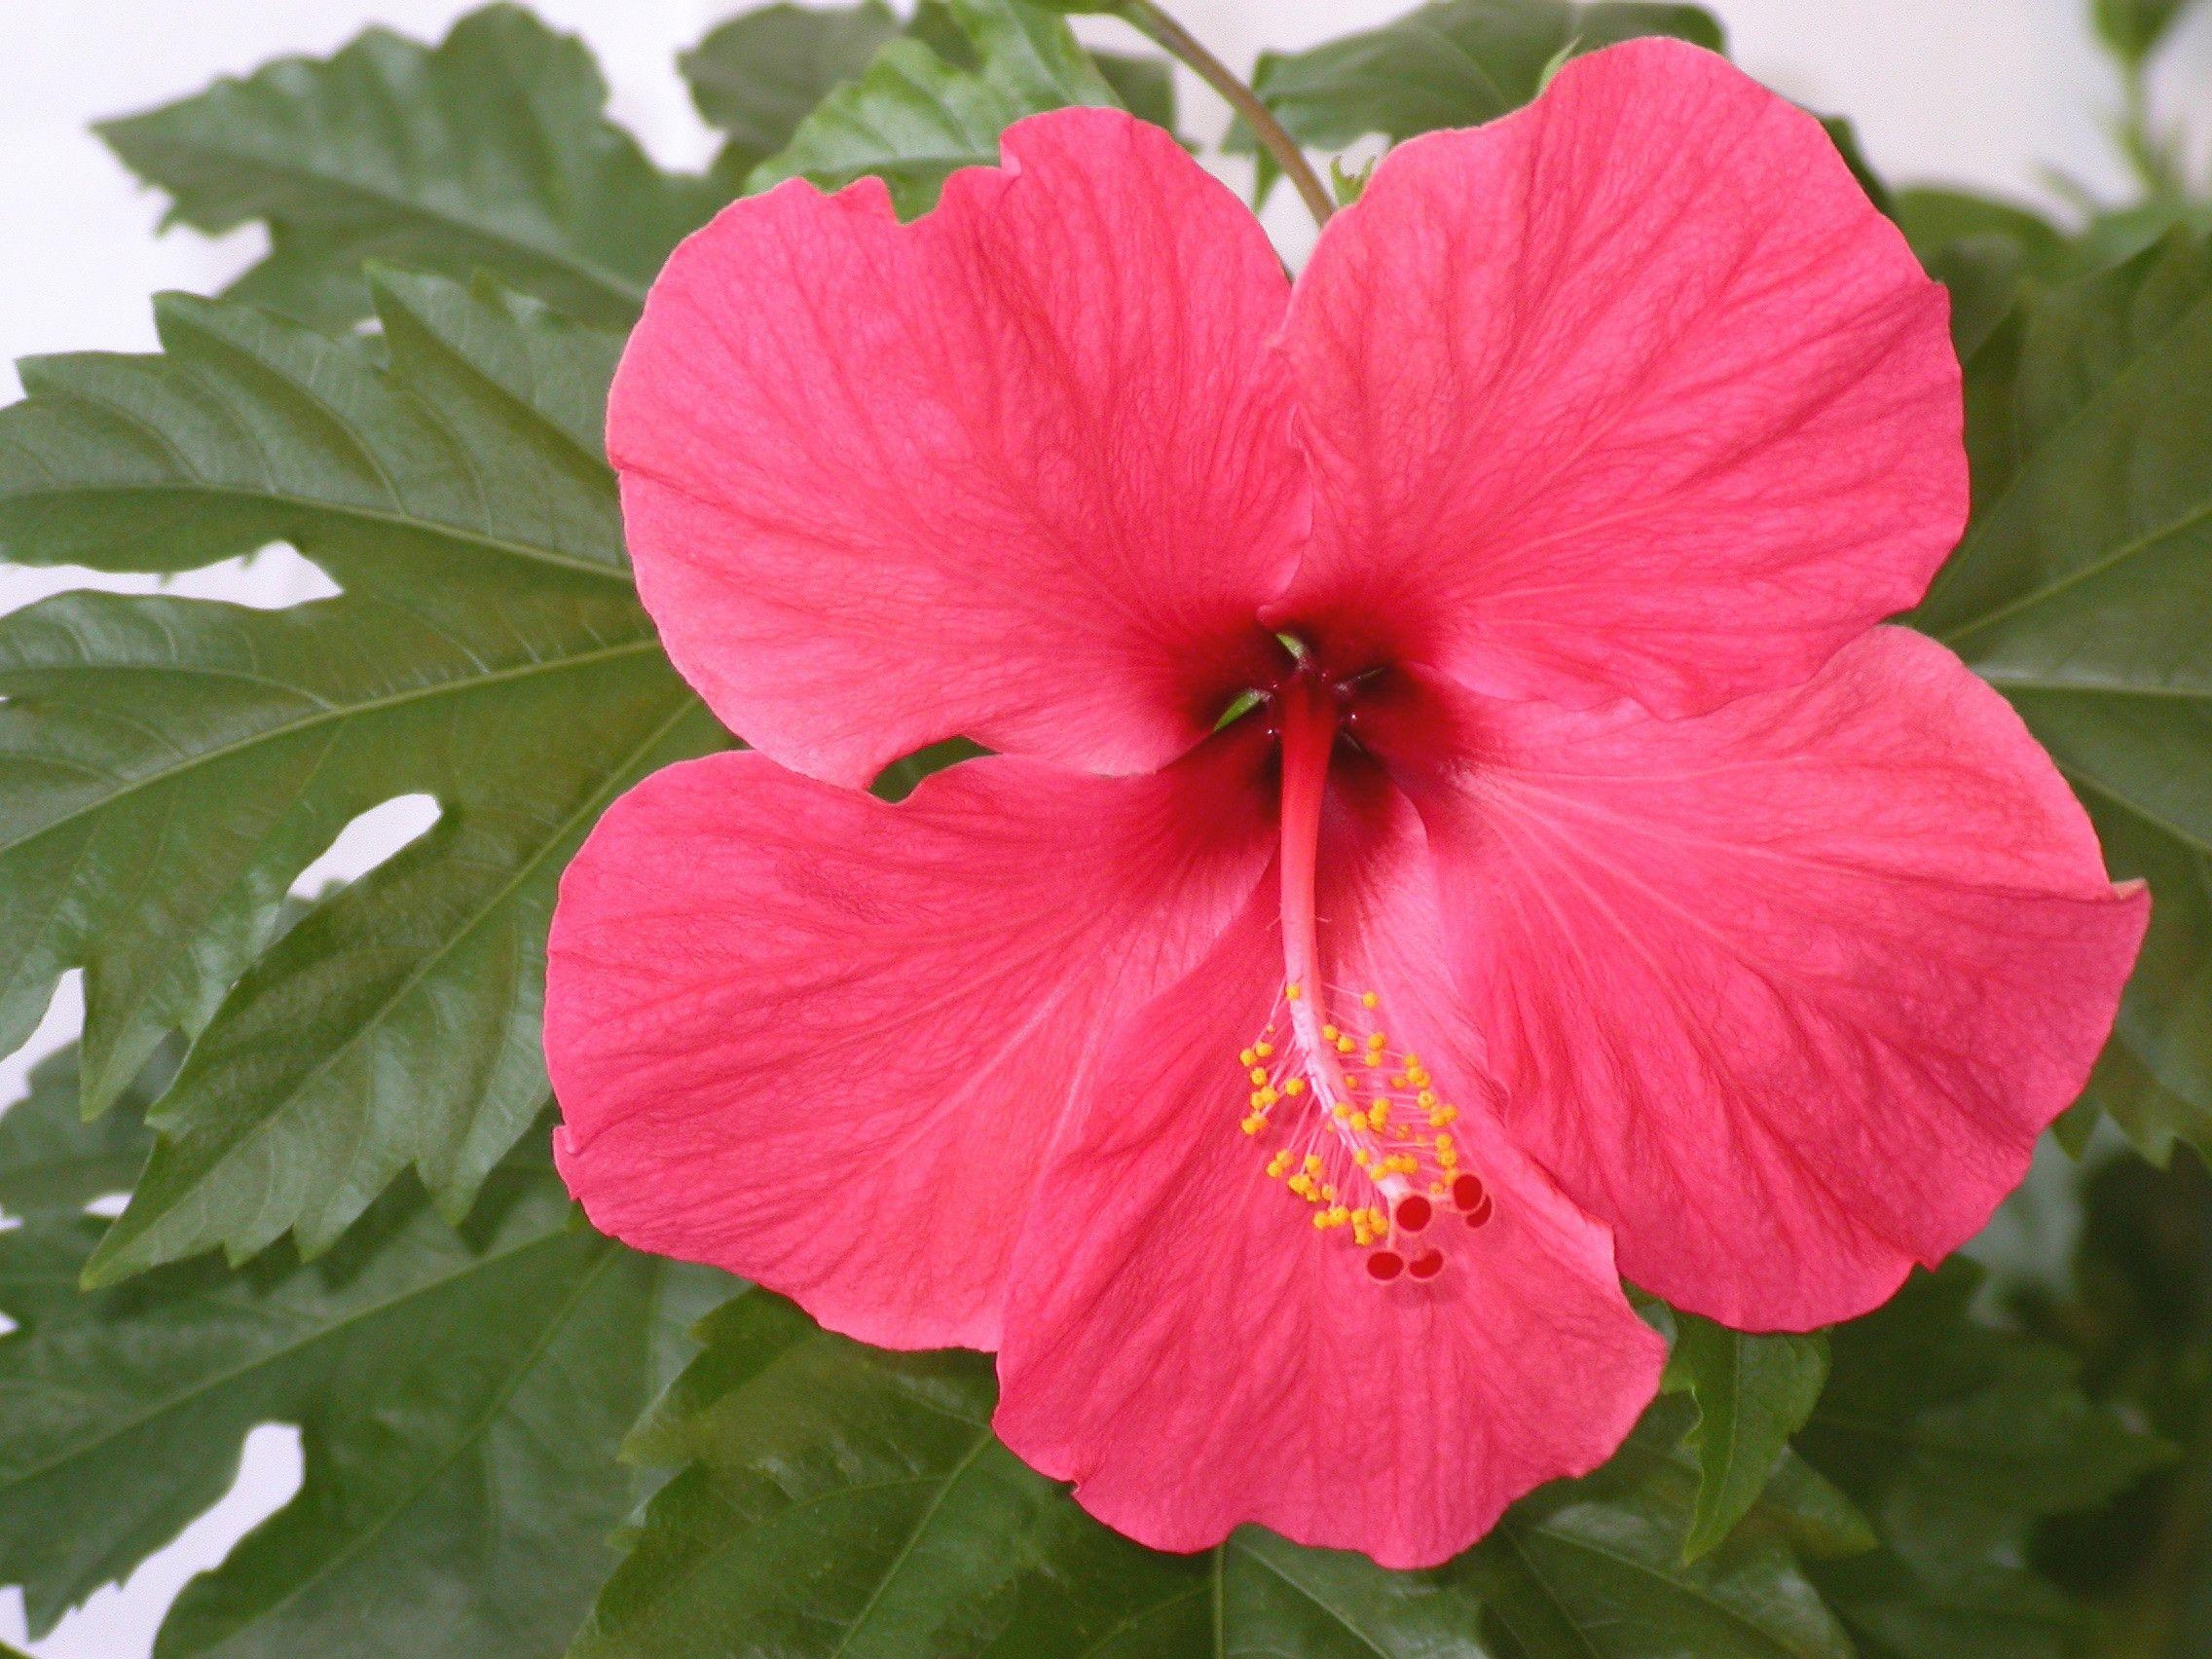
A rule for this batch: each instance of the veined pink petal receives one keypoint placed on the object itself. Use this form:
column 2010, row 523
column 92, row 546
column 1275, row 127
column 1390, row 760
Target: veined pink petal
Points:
column 1188, row 1348
column 1631, row 391
column 1018, row 470
column 826, row 1042
column 1785, row 993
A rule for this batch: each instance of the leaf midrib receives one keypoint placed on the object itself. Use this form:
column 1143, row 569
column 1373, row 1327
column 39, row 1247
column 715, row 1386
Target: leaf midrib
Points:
column 2137, row 365
column 526, row 1363
column 375, row 1019
column 279, row 1355
column 434, row 528
column 324, row 716
column 614, row 285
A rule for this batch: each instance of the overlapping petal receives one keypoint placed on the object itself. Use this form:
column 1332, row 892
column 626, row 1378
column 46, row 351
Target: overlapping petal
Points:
column 1633, row 391
column 1186, row 1346
column 1785, row 993
column 828, row 1042
column 1018, row 470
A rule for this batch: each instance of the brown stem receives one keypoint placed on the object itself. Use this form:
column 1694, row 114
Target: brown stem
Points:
column 1179, row 41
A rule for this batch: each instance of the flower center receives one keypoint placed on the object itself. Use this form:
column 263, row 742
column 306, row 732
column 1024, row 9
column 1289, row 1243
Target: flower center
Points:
column 1354, row 1126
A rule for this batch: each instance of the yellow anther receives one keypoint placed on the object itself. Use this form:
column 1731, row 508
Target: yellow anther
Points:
column 1437, row 1120
column 1368, row 999
column 1312, row 1163
column 1295, row 1088
column 1417, row 1076
column 1379, row 1114
column 1345, row 1045
column 1329, row 1034
column 1443, row 1141
column 1360, row 1157
column 1328, row 1192
column 1411, row 1060
column 1258, row 1074
column 1291, row 991
column 1428, row 1098
column 1448, row 1158
column 1398, row 1081
column 1246, row 1057
column 1253, row 1125
column 1341, row 1111
column 1263, row 1049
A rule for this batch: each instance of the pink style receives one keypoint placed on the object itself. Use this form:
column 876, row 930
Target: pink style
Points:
column 1594, row 875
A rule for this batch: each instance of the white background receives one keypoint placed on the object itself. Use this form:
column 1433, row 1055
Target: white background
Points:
column 1987, row 92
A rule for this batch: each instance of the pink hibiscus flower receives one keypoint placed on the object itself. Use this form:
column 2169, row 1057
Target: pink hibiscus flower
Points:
column 1593, row 874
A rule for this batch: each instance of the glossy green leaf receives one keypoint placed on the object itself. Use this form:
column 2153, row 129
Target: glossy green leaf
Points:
column 2080, row 593
column 1753, row 1393
column 760, row 74
column 1955, row 1438
column 1595, row 1568
column 917, row 115
column 491, row 152
column 168, row 766
column 1452, row 63
column 838, row 1500
column 460, row 1399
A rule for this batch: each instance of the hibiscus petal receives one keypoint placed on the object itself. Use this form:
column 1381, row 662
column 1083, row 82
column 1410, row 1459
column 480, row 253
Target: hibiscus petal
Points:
column 1785, row 993
column 828, row 1042
column 1633, row 391
column 1020, row 470
column 1184, row 1344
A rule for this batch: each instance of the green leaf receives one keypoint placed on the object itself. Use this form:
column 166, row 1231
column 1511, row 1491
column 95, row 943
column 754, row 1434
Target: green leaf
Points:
column 1595, row 1568
column 1145, row 86
column 833, row 1499
column 168, row 766
column 917, row 115
column 52, row 1161
column 1984, row 251
column 1452, row 63
column 1955, row 1438
column 2135, row 28
column 2080, row 593
column 1752, row 1395
column 760, row 74
column 490, row 150
column 460, row 1399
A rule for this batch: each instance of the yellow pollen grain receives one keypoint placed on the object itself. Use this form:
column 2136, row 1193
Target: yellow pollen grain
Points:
column 1246, row 1057
column 1379, row 1114
column 1312, row 1163
column 1368, row 999
column 1263, row 1049
column 1329, row 1033
column 1295, row 1088
column 1345, row 1045
column 1259, row 1074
